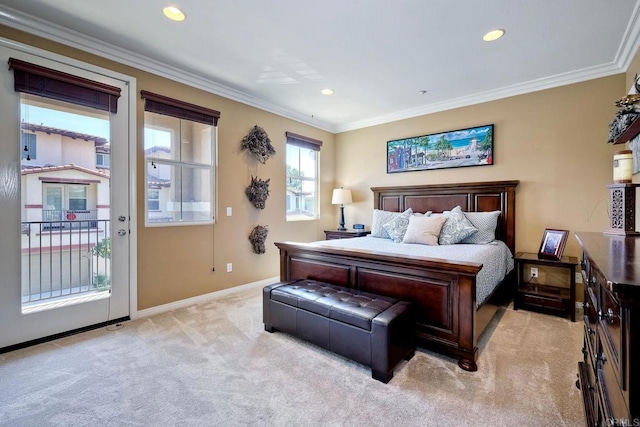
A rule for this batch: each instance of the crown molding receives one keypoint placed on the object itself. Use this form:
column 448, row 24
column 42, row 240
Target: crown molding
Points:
column 51, row 31
column 630, row 41
column 578, row 76
column 629, row 45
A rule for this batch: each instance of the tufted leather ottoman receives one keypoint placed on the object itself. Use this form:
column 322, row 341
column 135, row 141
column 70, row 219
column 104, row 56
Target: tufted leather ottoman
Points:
column 374, row 330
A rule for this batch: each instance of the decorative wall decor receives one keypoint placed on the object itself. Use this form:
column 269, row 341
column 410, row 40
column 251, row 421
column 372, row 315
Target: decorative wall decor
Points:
column 453, row 149
column 625, row 125
column 257, row 237
column 257, row 142
column 258, row 191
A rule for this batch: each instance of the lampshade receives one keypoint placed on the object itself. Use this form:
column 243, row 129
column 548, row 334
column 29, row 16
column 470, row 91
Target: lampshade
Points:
column 341, row 196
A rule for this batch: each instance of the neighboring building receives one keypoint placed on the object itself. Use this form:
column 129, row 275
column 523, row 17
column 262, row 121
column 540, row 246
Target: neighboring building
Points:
column 65, row 210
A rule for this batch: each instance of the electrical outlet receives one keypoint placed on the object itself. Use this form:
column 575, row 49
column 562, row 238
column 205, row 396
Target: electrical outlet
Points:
column 578, row 277
column 534, row 272
column 229, row 267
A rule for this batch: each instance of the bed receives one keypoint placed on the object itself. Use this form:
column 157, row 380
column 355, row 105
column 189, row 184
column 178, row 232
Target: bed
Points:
column 449, row 319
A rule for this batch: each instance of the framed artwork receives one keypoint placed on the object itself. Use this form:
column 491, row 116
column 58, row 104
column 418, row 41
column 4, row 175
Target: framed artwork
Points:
column 552, row 244
column 453, row 149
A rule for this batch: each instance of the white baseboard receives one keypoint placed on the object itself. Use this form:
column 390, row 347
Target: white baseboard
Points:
column 203, row 298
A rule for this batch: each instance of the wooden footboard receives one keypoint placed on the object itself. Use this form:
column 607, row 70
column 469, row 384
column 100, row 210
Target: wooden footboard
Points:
column 443, row 292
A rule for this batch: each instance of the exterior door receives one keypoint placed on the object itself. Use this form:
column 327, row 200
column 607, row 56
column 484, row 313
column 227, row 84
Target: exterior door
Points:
column 64, row 214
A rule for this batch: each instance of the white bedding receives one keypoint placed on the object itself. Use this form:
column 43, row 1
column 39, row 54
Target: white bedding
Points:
column 496, row 258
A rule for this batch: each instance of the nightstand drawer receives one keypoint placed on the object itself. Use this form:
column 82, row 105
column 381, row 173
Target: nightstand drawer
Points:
column 543, row 301
column 346, row 234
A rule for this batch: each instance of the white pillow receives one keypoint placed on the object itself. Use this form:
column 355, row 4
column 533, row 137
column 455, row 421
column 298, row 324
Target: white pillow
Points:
column 380, row 218
column 424, row 230
column 486, row 223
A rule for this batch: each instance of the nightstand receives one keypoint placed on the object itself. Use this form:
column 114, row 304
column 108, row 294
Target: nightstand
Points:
column 530, row 293
column 347, row 234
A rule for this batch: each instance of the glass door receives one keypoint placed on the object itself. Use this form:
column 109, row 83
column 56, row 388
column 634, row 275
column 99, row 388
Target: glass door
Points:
column 69, row 273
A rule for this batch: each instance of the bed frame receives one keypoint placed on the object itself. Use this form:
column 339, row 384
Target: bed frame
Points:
column 447, row 319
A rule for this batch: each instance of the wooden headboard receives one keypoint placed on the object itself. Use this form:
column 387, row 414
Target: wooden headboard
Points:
column 471, row 197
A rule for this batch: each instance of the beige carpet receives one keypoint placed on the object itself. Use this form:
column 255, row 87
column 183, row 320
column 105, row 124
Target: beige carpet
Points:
column 213, row 364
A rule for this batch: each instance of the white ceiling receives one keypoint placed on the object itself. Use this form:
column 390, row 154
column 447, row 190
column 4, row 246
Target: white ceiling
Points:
column 376, row 54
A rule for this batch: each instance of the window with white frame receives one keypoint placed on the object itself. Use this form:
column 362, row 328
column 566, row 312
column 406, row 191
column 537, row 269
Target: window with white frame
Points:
column 303, row 155
column 179, row 147
column 102, row 160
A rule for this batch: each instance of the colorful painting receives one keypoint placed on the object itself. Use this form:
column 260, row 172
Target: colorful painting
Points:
column 453, row 149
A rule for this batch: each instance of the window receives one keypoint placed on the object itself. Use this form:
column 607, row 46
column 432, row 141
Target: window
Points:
column 28, row 145
column 179, row 147
column 302, row 177
column 102, row 160
column 77, row 197
column 153, row 199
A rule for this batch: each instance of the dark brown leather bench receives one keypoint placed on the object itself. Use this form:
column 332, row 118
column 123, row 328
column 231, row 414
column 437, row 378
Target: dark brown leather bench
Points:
column 374, row 330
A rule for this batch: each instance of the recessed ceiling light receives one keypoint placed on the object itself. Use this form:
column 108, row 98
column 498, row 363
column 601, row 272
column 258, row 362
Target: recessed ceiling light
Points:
column 173, row 13
column 493, row 35
column 327, row 91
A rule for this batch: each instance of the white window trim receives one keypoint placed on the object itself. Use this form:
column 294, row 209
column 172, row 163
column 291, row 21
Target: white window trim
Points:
column 317, row 190
column 212, row 166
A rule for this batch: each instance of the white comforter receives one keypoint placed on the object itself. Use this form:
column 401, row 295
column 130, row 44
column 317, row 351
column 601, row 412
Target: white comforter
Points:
column 496, row 258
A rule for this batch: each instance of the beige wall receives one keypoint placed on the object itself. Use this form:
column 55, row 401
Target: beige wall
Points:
column 553, row 141
column 175, row 263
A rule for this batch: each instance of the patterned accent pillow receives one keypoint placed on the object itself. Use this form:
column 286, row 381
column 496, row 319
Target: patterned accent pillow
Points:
column 380, row 218
column 398, row 226
column 486, row 223
column 424, row 230
column 456, row 228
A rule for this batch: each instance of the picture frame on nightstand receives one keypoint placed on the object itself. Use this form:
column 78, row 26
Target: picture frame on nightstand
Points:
column 552, row 245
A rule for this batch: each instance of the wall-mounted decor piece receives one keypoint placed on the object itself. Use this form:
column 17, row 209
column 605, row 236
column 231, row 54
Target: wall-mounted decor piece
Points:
column 552, row 245
column 257, row 237
column 626, row 124
column 257, row 142
column 258, row 191
column 453, row 149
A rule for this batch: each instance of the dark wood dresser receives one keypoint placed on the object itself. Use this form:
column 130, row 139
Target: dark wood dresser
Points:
column 609, row 375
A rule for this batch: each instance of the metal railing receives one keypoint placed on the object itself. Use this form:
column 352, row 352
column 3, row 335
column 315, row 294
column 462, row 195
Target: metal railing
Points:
column 70, row 218
column 64, row 258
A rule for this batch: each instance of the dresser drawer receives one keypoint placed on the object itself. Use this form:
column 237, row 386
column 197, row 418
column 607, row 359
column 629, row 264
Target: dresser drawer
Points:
column 609, row 324
column 590, row 342
column 612, row 396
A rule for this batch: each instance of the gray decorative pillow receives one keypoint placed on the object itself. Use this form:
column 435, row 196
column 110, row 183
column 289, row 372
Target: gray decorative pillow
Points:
column 398, row 226
column 380, row 218
column 456, row 228
column 486, row 223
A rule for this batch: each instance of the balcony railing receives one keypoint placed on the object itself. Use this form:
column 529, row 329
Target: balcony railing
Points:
column 65, row 257
column 71, row 218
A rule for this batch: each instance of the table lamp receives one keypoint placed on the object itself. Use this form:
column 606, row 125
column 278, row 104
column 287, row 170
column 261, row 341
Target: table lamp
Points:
column 341, row 197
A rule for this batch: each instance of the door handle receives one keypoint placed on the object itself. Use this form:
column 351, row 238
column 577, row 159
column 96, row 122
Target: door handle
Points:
column 122, row 232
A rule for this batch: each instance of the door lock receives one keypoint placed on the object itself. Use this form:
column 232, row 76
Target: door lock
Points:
column 122, row 218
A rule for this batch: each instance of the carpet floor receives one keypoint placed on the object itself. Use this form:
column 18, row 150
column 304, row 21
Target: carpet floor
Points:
column 213, row 364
